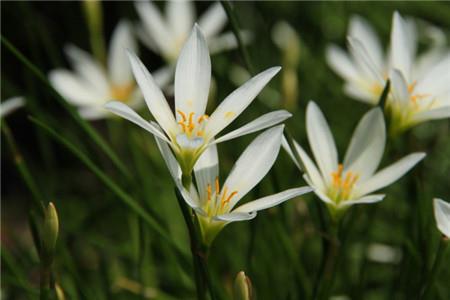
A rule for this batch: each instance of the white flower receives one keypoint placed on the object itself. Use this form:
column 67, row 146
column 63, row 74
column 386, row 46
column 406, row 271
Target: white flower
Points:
column 442, row 216
column 91, row 85
column 167, row 34
column 420, row 88
column 190, row 132
column 353, row 181
column 10, row 105
column 215, row 204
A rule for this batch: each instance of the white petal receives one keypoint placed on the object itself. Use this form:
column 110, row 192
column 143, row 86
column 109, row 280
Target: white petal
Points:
column 341, row 63
column 442, row 215
column 92, row 113
column 434, row 114
column 361, row 92
column 437, row 80
column 155, row 26
column 367, row 145
column 399, row 87
column 74, row 89
column 206, row 169
column 306, row 162
column 89, row 70
column 193, row 75
column 213, row 20
column 180, row 16
column 361, row 29
column 321, row 141
column 227, row 41
column 233, row 105
column 254, row 163
column 272, row 200
column 124, row 111
column 10, row 105
column 320, row 193
column 235, row 216
column 118, row 64
column 363, row 200
column 390, row 174
column 402, row 46
column 156, row 102
column 365, row 63
column 263, row 122
column 169, row 159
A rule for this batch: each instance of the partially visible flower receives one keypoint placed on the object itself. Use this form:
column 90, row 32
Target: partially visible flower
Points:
column 420, row 88
column 190, row 131
column 167, row 34
column 442, row 216
column 242, row 289
column 10, row 105
column 215, row 203
column 91, row 84
column 340, row 185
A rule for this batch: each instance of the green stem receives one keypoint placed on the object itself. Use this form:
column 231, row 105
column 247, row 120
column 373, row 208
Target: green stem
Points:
column 236, row 31
column 22, row 167
column 443, row 243
column 199, row 250
column 45, row 283
column 94, row 18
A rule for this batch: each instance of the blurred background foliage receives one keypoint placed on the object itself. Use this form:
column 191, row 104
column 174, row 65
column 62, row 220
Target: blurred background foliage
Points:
column 105, row 251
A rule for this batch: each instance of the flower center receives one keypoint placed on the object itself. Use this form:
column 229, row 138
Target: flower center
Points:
column 416, row 97
column 122, row 92
column 342, row 184
column 190, row 126
column 217, row 202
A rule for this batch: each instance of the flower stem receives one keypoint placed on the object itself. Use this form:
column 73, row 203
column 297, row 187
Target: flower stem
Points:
column 443, row 243
column 199, row 250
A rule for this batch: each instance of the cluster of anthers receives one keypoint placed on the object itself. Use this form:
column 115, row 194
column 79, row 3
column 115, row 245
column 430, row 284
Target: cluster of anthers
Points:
column 416, row 97
column 191, row 127
column 342, row 185
column 122, row 92
column 217, row 202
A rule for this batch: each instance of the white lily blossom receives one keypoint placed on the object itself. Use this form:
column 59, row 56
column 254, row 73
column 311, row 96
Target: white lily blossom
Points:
column 442, row 216
column 190, row 131
column 352, row 182
column 91, row 85
column 10, row 105
column 215, row 204
column 420, row 88
column 165, row 34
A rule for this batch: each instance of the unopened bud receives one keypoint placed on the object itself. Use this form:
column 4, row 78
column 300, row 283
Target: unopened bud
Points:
column 242, row 287
column 49, row 232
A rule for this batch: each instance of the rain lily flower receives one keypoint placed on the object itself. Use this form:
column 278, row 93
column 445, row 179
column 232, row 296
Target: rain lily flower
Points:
column 215, row 203
column 166, row 35
column 10, row 105
column 420, row 88
column 340, row 185
column 91, row 85
column 190, row 131
column 442, row 216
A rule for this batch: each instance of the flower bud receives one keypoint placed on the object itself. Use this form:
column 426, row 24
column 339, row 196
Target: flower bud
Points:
column 242, row 287
column 49, row 232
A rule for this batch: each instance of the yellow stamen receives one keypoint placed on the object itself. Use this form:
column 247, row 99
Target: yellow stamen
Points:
column 183, row 115
column 229, row 198
column 200, row 133
column 122, row 92
column 217, row 186
column 183, row 126
column 208, row 191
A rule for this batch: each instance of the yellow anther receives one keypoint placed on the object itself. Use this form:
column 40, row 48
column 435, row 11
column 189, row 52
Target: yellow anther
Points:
column 217, row 186
column 183, row 126
column 208, row 191
column 183, row 115
column 412, row 86
column 191, row 115
column 202, row 118
column 200, row 133
column 229, row 197
column 122, row 92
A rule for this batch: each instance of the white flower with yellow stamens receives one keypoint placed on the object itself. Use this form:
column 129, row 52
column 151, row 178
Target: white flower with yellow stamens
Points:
column 420, row 88
column 92, row 85
column 190, row 132
column 442, row 216
column 353, row 181
column 215, row 204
